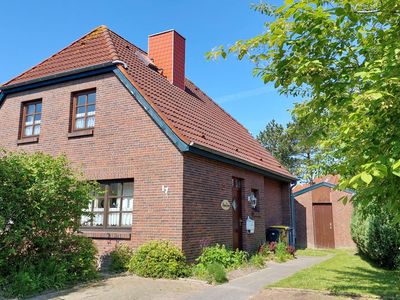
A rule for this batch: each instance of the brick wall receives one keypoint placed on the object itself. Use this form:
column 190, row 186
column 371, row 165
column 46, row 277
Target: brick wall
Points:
column 126, row 144
column 341, row 217
column 206, row 184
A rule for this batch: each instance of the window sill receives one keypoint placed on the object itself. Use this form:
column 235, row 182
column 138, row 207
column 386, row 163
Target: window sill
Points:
column 80, row 133
column 108, row 235
column 28, row 140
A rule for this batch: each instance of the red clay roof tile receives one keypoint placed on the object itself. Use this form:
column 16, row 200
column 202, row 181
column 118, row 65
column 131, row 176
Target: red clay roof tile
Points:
column 190, row 112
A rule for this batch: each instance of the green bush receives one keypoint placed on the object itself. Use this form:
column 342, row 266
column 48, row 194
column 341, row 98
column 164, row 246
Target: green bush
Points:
column 76, row 263
column 220, row 254
column 257, row 260
column 212, row 273
column 216, row 273
column 159, row 259
column 377, row 237
column 281, row 253
column 120, row 258
column 42, row 199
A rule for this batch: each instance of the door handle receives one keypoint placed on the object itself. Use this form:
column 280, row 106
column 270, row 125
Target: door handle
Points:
column 330, row 225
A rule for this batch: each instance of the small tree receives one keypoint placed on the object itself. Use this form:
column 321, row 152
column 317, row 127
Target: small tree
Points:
column 42, row 200
column 290, row 145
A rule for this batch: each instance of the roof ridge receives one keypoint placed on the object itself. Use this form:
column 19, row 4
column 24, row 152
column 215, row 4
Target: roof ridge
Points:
column 111, row 45
column 130, row 43
column 98, row 28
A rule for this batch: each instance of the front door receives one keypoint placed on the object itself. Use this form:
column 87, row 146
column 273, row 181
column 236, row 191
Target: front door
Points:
column 323, row 226
column 237, row 213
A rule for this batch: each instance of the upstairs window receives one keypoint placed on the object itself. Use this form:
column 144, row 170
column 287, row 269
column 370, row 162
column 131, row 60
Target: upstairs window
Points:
column 83, row 110
column 31, row 118
column 112, row 207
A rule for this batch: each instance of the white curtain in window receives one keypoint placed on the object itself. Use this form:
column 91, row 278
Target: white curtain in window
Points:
column 127, row 204
column 126, row 219
column 113, row 219
column 90, row 122
column 36, row 130
column 85, row 220
column 98, row 220
column 79, row 123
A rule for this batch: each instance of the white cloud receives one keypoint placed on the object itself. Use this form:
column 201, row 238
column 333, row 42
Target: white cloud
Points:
column 244, row 94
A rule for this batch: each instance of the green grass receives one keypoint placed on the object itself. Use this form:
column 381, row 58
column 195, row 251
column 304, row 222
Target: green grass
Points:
column 314, row 252
column 346, row 274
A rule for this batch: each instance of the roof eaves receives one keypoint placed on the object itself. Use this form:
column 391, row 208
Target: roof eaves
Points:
column 177, row 139
column 219, row 156
column 2, row 97
column 59, row 77
column 318, row 185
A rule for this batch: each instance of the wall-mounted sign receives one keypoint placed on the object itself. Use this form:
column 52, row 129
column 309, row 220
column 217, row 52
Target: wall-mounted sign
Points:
column 225, row 205
column 250, row 225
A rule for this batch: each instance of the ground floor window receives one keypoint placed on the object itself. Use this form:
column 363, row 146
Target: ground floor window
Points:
column 112, row 207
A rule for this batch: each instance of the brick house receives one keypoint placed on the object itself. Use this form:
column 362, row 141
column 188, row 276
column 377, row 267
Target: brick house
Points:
column 322, row 220
column 172, row 164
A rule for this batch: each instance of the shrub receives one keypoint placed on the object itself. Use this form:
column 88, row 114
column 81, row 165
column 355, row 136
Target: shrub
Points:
column 42, row 199
column 216, row 273
column 159, row 259
column 281, row 254
column 120, row 258
column 257, row 260
column 212, row 273
column 376, row 236
column 222, row 255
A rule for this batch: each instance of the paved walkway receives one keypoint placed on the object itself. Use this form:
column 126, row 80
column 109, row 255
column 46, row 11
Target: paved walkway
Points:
column 137, row 288
column 245, row 287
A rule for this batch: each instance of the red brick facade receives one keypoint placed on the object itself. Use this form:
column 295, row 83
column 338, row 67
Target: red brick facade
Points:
column 127, row 144
column 305, row 231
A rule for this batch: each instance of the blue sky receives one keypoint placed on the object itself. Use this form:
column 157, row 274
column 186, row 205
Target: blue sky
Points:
column 33, row 30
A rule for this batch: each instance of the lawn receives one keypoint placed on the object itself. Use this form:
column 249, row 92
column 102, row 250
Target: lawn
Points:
column 346, row 274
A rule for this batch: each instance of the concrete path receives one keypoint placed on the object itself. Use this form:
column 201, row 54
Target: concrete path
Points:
column 136, row 288
column 244, row 287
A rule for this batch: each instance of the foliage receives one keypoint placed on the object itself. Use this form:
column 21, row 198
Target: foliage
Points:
column 288, row 145
column 257, row 260
column 343, row 57
column 120, row 258
column 42, row 200
column 281, row 253
column 276, row 140
column 212, row 273
column 217, row 273
column 346, row 274
column 222, row 255
column 377, row 237
column 159, row 259
column 265, row 251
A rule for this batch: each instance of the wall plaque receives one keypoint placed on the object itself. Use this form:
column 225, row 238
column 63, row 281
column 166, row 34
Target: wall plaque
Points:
column 225, row 205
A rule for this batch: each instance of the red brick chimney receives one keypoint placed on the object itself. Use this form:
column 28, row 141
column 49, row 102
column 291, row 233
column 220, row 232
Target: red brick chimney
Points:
column 167, row 49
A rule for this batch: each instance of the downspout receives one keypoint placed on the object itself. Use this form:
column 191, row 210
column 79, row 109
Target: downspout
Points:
column 292, row 213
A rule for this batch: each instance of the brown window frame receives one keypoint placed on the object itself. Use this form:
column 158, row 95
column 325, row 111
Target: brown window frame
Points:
column 74, row 106
column 24, row 114
column 106, row 212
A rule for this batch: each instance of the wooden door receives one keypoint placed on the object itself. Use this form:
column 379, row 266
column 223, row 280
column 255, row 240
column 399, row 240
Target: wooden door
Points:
column 237, row 220
column 323, row 226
